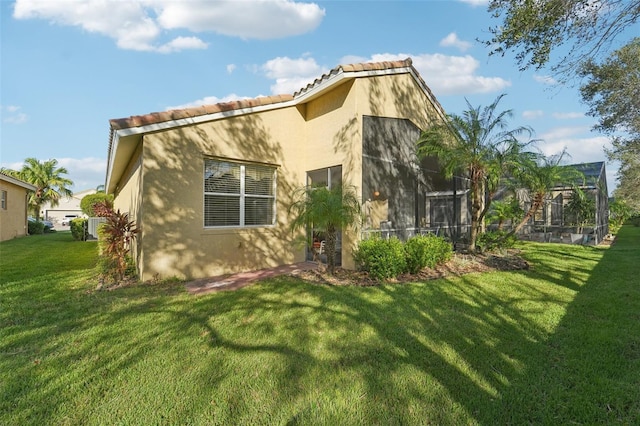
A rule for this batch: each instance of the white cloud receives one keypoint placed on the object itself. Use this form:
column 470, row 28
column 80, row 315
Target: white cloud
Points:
column 11, row 115
column 475, row 3
column 532, row 114
column 291, row 74
column 231, row 68
column 581, row 147
column 139, row 24
column 182, row 43
column 447, row 75
column 86, row 173
column 545, row 79
column 208, row 100
column 255, row 19
column 452, row 40
column 567, row 115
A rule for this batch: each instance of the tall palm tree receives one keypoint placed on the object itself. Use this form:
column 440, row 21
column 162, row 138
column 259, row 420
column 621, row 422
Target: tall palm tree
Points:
column 478, row 145
column 48, row 180
column 539, row 177
column 326, row 211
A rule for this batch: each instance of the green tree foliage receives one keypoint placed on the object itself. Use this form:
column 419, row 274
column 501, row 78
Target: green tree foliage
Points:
column 613, row 94
column 325, row 211
column 533, row 29
column 48, row 179
column 539, row 176
column 619, row 213
column 89, row 203
column 628, row 154
column 479, row 145
column 613, row 90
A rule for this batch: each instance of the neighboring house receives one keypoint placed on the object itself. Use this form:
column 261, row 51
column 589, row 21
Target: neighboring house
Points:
column 66, row 206
column 209, row 187
column 14, row 204
column 554, row 218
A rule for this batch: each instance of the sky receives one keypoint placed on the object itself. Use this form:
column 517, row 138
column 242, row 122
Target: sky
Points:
column 67, row 67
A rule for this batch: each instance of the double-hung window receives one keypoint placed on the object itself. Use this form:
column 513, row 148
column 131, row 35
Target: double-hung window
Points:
column 238, row 194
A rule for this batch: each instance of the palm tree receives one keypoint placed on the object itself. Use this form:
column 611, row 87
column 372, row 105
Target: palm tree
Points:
column 478, row 145
column 48, row 180
column 539, row 177
column 326, row 211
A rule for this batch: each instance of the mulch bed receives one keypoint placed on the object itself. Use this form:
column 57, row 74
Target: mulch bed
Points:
column 460, row 264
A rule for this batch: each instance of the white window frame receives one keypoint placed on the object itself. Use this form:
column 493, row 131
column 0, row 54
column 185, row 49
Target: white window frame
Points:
column 242, row 195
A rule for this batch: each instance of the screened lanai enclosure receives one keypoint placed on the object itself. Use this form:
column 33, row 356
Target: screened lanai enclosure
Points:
column 403, row 195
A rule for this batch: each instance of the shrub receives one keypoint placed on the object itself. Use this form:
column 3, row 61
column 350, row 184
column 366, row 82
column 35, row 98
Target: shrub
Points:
column 89, row 202
column 116, row 236
column 495, row 241
column 78, row 228
column 424, row 251
column 35, row 227
column 382, row 259
column 635, row 220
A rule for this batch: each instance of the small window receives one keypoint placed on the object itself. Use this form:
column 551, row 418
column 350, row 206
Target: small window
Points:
column 238, row 194
column 4, row 200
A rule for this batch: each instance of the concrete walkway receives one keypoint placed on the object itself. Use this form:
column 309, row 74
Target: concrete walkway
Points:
column 243, row 279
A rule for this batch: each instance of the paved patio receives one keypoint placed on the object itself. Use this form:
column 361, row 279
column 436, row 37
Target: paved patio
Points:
column 243, row 279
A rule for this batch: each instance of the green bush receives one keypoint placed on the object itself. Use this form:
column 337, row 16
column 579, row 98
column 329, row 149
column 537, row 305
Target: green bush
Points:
column 424, row 251
column 495, row 241
column 79, row 228
column 635, row 220
column 382, row 259
column 35, row 227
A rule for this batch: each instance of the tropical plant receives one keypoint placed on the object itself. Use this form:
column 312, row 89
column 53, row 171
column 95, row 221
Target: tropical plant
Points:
column 580, row 210
column 325, row 210
column 505, row 210
column 48, row 180
column 478, row 145
column 539, row 176
column 118, row 232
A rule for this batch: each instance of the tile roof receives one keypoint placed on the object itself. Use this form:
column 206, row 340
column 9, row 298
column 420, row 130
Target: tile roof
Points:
column 192, row 112
column 177, row 114
column 16, row 181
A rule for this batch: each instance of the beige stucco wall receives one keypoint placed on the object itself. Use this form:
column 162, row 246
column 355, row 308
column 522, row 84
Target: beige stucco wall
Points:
column 128, row 200
column 324, row 132
column 13, row 219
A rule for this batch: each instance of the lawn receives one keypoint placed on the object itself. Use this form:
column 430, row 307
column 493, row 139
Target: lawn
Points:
column 557, row 344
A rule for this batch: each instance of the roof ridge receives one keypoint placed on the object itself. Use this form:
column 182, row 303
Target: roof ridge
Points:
column 234, row 105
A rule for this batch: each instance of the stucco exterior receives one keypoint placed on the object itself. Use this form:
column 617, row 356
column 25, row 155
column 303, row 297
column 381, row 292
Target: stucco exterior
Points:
column 13, row 210
column 156, row 167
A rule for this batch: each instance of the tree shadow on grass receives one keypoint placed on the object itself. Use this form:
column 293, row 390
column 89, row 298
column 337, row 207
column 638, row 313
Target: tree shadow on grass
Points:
column 463, row 350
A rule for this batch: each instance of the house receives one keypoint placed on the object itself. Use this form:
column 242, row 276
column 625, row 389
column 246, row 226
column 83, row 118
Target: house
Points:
column 65, row 206
column 14, row 203
column 556, row 219
column 209, row 187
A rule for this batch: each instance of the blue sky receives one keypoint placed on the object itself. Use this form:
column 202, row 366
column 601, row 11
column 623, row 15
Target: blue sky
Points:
column 67, row 67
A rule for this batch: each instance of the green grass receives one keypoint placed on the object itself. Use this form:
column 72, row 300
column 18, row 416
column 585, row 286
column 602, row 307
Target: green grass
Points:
column 557, row 344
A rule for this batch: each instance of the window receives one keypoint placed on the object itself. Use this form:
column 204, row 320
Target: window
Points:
column 328, row 177
column 4, row 200
column 238, row 194
column 441, row 212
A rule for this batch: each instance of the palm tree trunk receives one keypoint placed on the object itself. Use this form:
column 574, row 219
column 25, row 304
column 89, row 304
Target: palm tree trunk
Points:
column 537, row 202
column 331, row 249
column 476, row 211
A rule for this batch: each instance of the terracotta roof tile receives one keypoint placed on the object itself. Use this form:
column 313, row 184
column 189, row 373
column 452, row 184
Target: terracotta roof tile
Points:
column 164, row 116
column 177, row 114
